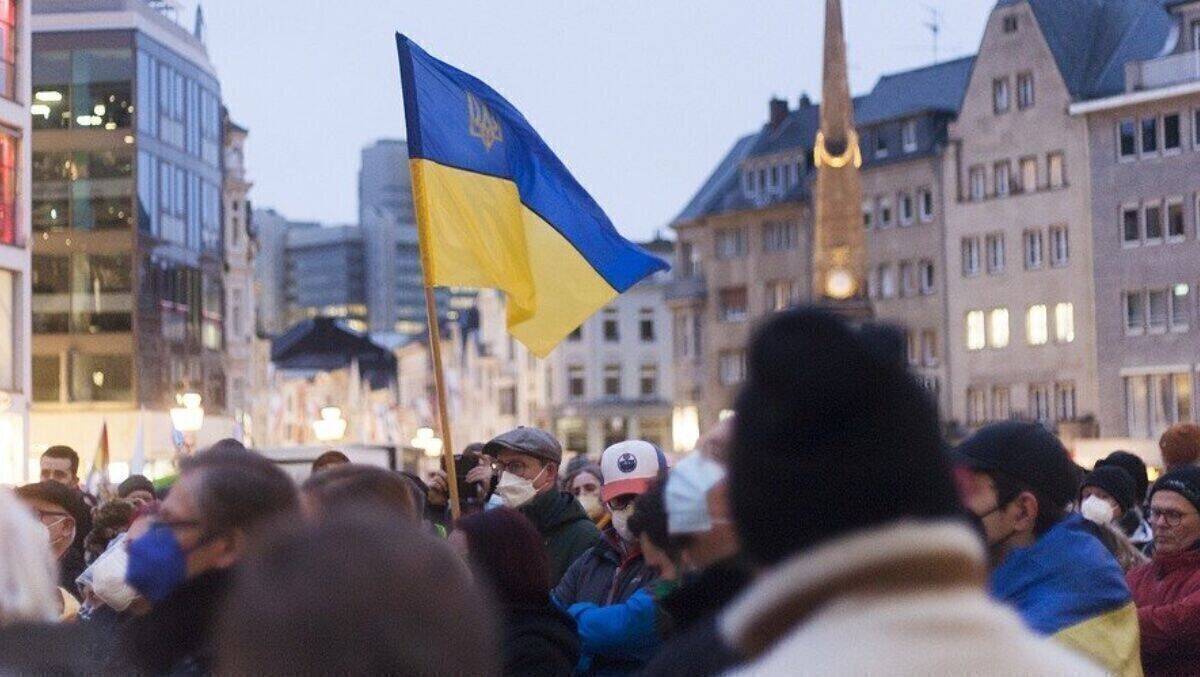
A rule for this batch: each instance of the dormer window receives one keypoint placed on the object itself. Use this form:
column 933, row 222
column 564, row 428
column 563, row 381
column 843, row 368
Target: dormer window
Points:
column 1010, row 23
column 881, row 149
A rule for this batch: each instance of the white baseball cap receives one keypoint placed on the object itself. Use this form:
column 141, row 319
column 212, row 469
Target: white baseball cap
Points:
column 629, row 467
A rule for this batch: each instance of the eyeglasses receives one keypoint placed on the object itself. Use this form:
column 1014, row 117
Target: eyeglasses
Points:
column 49, row 517
column 518, row 467
column 1170, row 518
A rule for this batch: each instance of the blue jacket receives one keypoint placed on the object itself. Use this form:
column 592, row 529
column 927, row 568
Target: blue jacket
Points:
column 623, row 636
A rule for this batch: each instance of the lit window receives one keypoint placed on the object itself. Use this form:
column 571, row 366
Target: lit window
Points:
column 1037, row 333
column 1000, row 96
column 908, row 136
column 1064, row 322
column 781, row 294
column 1029, row 174
column 998, row 325
column 1024, row 90
column 976, row 330
column 1054, row 165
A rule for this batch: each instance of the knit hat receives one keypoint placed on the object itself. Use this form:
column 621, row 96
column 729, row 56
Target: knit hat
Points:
column 1136, row 468
column 1026, row 452
column 529, row 441
column 1180, row 444
column 1184, row 481
column 1115, row 482
column 134, row 483
column 833, row 435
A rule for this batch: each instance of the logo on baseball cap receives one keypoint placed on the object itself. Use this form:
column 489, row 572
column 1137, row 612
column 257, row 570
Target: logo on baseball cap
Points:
column 630, row 467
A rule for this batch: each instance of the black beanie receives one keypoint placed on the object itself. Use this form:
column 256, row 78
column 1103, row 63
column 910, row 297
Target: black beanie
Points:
column 134, row 483
column 1184, row 481
column 1115, row 482
column 833, row 435
column 1136, row 468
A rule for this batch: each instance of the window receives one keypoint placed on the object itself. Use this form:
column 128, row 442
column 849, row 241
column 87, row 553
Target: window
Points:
column 1033, row 249
column 612, row 380
column 1153, row 402
column 731, row 243
column 1064, row 401
column 1149, row 135
column 1064, row 322
column 508, row 401
column 1029, row 174
column 1054, row 166
column 781, row 295
column 1135, row 312
column 1010, row 23
column 908, row 279
column 927, row 280
column 998, row 328
column 887, row 281
column 732, row 304
column 1001, row 403
column 648, row 380
column 925, row 204
column 732, row 367
column 1152, row 214
column 868, row 211
column 612, row 328
column 908, row 136
column 646, row 325
column 1131, row 230
column 8, row 178
column 1001, row 175
column 1172, row 137
column 1060, row 246
column 912, row 343
column 994, row 246
column 976, row 330
column 1024, row 90
column 970, row 256
column 929, row 347
column 779, row 236
column 1196, row 127
column 1000, row 96
column 1175, row 226
column 885, row 212
column 1180, row 303
column 1039, row 402
column 8, row 48
column 1126, row 139
column 8, row 317
column 978, row 178
column 1156, row 310
column 881, row 148
column 907, row 213
column 689, row 260
column 976, row 406
column 1036, row 330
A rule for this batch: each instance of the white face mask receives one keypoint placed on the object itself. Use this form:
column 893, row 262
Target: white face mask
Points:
column 592, row 505
column 108, row 578
column 1096, row 509
column 620, row 522
column 514, row 490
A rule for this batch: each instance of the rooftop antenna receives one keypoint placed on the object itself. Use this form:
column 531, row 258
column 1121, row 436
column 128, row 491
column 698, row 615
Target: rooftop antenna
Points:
column 935, row 27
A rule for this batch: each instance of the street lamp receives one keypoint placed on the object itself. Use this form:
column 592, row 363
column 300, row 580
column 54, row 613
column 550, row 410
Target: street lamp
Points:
column 331, row 426
column 187, row 418
column 427, row 442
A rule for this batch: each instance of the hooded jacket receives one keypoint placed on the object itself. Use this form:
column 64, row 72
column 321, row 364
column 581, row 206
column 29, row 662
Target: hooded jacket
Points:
column 539, row 642
column 1068, row 586
column 566, row 530
column 1167, row 594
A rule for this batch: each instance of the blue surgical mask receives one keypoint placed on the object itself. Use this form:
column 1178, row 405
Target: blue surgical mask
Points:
column 157, row 563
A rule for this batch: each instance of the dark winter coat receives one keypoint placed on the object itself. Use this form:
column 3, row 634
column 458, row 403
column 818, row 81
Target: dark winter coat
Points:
column 566, row 530
column 539, row 642
column 608, row 573
column 47, row 649
column 1167, row 594
column 176, row 637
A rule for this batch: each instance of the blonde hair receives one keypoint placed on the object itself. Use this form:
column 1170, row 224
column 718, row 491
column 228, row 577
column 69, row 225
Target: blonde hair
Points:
column 28, row 572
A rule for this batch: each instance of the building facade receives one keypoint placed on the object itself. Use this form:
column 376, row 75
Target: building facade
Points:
column 1145, row 210
column 128, row 280
column 239, row 275
column 17, row 465
column 325, row 274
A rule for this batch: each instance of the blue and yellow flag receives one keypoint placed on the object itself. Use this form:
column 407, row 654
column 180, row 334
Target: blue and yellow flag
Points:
column 496, row 208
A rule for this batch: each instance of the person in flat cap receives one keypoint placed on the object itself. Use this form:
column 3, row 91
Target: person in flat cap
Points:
column 527, row 460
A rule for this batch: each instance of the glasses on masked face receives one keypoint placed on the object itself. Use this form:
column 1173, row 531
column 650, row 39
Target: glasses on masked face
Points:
column 50, row 518
column 1170, row 518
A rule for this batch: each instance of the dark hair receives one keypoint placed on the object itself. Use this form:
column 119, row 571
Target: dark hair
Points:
column 135, row 483
column 350, row 484
column 331, row 457
column 359, row 593
column 238, row 489
column 63, row 451
column 1007, row 490
column 110, row 519
column 650, row 518
column 1136, row 468
column 507, row 549
column 821, row 417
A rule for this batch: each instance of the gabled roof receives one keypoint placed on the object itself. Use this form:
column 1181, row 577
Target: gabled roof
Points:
column 723, row 178
column 938, row 87
column 1092, row 40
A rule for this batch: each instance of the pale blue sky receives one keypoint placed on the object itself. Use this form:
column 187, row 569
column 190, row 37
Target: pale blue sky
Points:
column 640, row 98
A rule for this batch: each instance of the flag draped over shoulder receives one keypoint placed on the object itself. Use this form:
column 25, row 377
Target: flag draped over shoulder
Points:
column 496, row 208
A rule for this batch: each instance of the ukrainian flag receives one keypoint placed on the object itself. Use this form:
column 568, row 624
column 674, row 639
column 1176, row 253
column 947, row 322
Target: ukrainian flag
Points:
column 496, row 208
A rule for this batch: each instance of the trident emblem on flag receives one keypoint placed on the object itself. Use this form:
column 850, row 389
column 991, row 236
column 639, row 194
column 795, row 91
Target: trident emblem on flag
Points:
column 483, row 125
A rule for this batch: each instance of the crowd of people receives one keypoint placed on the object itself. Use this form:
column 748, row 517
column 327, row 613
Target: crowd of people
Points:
column 827, row 528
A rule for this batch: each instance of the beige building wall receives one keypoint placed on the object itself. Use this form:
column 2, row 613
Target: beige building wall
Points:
column 982, row 138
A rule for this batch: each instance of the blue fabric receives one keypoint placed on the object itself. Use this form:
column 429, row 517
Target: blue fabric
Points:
column 627, row 629
column 439, row 122
column 157, row 563
column 1063, row 579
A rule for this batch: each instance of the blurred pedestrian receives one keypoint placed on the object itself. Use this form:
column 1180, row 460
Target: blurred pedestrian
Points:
column 1167, row 591
column 329, row 459
column 1104, row 497
column 502, row 547
column 841, row 492
column 1180, row 445
column 1133, row 521
column 527, row 460
column 28, row 588
column 138, row 489
column 1046, row 562
column 67, row 520
column 351, row 484
column 113, row 517
column 359, row 593
column 584, row 484
column 181, row 559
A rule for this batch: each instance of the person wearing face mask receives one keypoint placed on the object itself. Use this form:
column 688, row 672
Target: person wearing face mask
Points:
column 612, row 571
column 585, row 485
column 1133, row 522
column 1018, row 479
column 182, row 559
column 1105, row 496
column 67, row 521
column 527, row 460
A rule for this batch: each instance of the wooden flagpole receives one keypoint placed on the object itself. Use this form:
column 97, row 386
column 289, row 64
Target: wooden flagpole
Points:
column 439, row 380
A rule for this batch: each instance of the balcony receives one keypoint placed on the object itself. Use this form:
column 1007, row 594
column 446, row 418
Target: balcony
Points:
column 687, row 288
column 1175, row 69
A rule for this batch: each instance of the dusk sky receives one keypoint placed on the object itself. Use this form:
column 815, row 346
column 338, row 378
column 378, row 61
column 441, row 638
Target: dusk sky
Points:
column 640, row 98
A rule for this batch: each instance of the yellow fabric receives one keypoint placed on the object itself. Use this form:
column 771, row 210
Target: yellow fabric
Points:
column 475, row 232
column 1112, row 640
